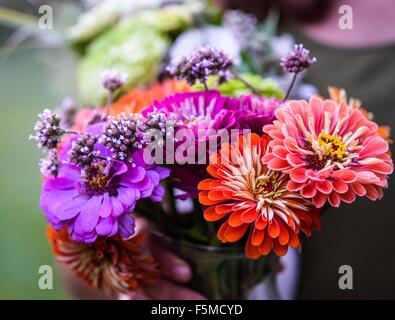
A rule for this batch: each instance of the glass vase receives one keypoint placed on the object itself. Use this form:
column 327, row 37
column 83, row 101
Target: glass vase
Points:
column 224, row 273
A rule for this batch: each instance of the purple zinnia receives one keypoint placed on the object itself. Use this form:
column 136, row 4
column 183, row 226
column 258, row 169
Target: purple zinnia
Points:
column 297, row 60
column 256, row 112
column 98, row 200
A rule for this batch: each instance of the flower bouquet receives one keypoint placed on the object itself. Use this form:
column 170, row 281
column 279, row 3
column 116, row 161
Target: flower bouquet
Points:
column 227, row 182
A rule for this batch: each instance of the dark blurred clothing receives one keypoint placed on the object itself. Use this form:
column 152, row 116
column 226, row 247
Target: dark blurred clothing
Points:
column 361, row 235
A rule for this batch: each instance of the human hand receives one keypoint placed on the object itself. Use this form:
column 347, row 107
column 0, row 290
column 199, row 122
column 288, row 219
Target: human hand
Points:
column 175, row 272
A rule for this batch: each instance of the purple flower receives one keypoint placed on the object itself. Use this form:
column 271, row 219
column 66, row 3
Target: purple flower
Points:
column 121, row 136
column 99, row 201
column 159, row 126
column 67, row 112
column 297, row 60
column 199, row 65
column 256, row 112
column 48, row 130
column 113, row 79
column 82, row 152
column 199, row 111
column 49, row 166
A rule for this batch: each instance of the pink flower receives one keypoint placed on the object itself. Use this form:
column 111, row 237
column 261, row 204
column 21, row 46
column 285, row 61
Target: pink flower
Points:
column 331, row 152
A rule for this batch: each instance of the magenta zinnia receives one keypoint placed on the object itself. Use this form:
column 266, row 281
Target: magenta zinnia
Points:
column 203, row 110
column 256, row 112
column 202, row 115
column 331, row 151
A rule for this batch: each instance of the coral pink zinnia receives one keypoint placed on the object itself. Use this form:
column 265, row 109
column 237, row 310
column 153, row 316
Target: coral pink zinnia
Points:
column 245, row 195
column 331, row 151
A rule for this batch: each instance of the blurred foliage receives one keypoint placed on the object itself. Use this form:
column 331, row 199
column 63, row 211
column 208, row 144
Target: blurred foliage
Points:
column 29, row 80
column 137, row 45
column 236, row 88
column 136, row 51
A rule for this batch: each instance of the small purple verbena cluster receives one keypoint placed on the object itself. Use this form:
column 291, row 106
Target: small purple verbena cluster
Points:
column 48, row 131
column 49, row 166
column 156, row 122
column 199, row 65
column 67, row 111
column 121, row 135
column 113, row 79
column 297, row 60
column 82, row 152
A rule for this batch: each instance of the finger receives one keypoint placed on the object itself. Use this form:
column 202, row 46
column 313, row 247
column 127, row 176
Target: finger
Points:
column 139, row 294
column 163, row 289
column 172, row 267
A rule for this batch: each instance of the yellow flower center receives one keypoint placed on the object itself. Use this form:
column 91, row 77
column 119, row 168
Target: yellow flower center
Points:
column 332, row 147
column 266, row 184
column 98, row 182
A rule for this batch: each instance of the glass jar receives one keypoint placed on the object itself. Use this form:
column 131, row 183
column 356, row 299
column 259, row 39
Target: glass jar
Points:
column 225, row 273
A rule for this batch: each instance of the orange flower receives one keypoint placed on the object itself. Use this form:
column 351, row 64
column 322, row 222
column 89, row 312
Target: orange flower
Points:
column 111, row 264
column 137, row 99
column 249, row 196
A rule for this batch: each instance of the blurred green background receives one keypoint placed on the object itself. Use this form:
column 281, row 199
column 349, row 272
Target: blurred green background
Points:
column 30, row 80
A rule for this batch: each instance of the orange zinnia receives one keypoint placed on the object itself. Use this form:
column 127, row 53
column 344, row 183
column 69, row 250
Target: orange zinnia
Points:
column 137, row 99
column 246, row 195
column 112, row 264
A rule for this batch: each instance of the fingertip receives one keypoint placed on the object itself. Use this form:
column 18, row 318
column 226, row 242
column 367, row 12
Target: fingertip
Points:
column 194, row 296
column 173, row 267
column 182, row 272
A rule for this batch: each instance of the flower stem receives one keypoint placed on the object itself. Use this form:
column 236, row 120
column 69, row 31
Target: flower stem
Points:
column 246, row 83
column 205, row 85
column 290, row 86
column 109, row 101
column 71, row 132
column 18, row 19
